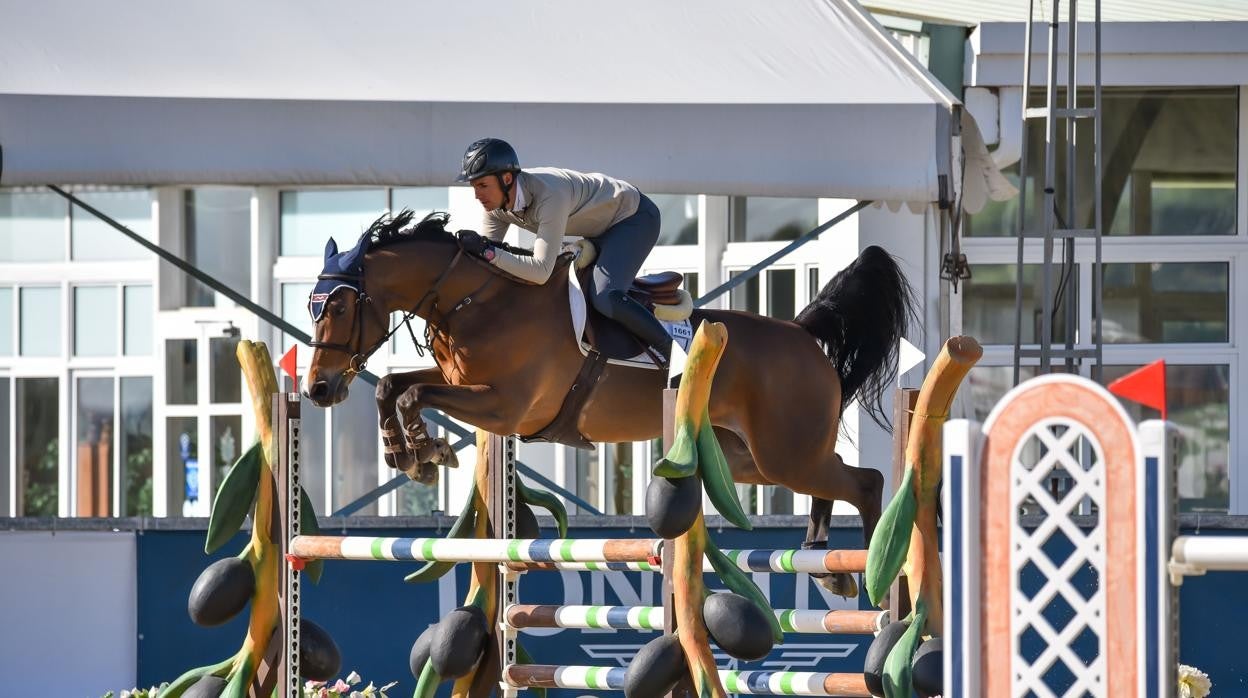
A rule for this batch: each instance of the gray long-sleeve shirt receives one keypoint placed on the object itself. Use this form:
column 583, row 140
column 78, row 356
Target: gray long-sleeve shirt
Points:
column 558, row 203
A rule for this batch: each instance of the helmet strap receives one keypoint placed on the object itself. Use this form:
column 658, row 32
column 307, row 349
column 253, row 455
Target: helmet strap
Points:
column 506, row 189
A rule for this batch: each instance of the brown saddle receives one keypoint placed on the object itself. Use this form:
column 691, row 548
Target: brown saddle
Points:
column 662, row 288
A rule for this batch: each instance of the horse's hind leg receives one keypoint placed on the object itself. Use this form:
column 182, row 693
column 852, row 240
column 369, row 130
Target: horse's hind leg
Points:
column 811, row 466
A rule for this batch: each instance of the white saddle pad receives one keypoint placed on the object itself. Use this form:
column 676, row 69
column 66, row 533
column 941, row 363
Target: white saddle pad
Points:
column 680, row 332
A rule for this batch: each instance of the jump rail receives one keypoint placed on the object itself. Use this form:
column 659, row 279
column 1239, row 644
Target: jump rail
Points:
column 651, row 618
column 1195, row 555
column 625, row 554
column 781, row 683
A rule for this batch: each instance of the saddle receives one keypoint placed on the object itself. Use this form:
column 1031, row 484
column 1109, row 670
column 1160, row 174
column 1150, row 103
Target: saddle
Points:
column 605, row 340
column 660, row 293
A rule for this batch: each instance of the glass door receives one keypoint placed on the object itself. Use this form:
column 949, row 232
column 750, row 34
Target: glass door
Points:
column 203, row 416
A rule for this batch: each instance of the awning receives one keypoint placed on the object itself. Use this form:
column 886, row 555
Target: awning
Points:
column 797, row 98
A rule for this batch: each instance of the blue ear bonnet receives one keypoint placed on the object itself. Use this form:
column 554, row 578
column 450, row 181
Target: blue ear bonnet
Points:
column 342, row 270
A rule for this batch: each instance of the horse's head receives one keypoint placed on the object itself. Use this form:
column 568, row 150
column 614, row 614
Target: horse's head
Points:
column 348, row 325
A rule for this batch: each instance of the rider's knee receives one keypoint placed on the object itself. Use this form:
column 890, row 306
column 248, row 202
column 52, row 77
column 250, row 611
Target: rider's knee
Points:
column 604, row 302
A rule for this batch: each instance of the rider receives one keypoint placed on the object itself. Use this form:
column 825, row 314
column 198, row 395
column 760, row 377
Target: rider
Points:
column 554, row 202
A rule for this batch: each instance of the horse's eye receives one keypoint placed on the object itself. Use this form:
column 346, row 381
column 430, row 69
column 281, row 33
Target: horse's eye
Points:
column 339, row 309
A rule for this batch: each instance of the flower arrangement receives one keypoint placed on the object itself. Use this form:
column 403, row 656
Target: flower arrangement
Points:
column 342, row 688
column 1193, row 683
column 345, row 689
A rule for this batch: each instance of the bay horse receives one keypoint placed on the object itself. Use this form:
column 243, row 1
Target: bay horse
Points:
column 506, row 357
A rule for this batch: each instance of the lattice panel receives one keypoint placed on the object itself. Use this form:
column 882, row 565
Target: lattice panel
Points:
column 1058, row 603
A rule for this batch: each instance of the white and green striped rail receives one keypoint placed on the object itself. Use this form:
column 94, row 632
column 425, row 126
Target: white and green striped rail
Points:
column 838, row 622
column 624, row 554
column 777, row 683
column 474, row 549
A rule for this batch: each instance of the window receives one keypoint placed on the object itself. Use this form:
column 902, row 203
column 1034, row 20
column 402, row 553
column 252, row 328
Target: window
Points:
column 226, row 432
column 988, row 303
column 181, row 381
column 310, row 218
column 779, row 285
column 93, row 447
column 620, row 479
column 6, row 321
column 770, row 219
column 136, row 446
column 225, row 376
column 182, row 461
column 587, row 480
column 744, row 296
column 354, row 442
column 32, row 227
column 1171, row 302
column 40, row 332
column 6, row 433
column 139, row 312
column 38, row 455
column 218, row 240
column 1198, row 398
column 295, row 309
column 1169, row 166
column 421, row 200
column 679, row 218
column 92, row 239
column 781, row 293
column 95, row 321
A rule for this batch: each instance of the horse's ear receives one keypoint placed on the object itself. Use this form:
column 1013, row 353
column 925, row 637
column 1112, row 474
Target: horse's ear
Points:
column 331, row 249
column 355, row 256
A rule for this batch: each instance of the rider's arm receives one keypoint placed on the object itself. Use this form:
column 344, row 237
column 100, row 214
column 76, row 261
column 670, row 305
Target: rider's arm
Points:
column 493, row 229
column 552, row 222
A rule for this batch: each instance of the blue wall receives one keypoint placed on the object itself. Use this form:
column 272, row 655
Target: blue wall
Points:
column 374, row 616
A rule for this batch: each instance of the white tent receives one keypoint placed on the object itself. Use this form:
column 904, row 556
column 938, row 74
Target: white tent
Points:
column 790, row 98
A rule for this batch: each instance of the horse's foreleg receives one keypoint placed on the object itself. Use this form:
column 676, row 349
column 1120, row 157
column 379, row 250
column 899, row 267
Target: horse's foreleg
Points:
column 476, row 404
column 393, row 440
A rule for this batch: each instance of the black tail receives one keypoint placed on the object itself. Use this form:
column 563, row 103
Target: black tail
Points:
column 859, row 316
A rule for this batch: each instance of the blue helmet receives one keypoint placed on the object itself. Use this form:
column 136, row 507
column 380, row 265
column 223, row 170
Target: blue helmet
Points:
column 488, row 156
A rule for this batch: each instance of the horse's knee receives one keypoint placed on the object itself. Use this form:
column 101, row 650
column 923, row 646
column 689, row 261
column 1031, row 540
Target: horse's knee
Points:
column 386, row 388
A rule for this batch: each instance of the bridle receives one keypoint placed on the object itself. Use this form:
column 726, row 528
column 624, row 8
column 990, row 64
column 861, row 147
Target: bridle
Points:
column 359, row 357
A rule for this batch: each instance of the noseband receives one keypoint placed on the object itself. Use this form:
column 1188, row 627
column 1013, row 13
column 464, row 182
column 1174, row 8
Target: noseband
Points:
column 359, row 357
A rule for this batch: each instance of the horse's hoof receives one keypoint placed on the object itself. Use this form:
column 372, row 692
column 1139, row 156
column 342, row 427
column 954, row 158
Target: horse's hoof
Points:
column 443, row 454
column 839, row 583
column 424, row 473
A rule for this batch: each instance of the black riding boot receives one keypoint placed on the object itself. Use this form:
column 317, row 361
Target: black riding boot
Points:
column 641, row 322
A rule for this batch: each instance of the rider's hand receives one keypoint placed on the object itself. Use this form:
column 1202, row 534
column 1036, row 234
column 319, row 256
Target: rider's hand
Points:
column 473, row 242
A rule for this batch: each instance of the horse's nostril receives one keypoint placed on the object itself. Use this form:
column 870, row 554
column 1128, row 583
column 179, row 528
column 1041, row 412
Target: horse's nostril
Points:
column 318, row 390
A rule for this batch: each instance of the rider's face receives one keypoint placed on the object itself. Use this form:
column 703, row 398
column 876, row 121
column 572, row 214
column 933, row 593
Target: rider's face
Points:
column 488, row 192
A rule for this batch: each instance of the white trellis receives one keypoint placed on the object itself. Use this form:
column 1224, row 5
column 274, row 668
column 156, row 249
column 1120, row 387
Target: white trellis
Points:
column 1059, row 592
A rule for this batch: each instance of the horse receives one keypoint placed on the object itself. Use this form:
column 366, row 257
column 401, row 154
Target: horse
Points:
column 506, row 356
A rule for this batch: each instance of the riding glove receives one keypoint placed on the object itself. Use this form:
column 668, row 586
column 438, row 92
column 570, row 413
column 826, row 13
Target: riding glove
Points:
column 474, row 243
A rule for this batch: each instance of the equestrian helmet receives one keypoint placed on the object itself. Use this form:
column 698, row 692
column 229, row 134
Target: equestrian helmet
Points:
column 488, row 156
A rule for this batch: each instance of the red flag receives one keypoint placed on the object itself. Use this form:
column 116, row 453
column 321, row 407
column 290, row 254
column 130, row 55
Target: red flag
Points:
column 1146, row 386
column 288, row 363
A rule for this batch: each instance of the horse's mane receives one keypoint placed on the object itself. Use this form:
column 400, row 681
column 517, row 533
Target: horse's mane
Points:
column 393, row 229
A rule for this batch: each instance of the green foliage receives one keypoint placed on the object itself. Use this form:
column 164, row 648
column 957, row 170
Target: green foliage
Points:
column 897, row 668
column 545, row 500
column 717, row 478
column 682, row 458
column 464, row 527
column 234, row 500
column 891, row 541
column 39, row 495
column 739, row 582
column 308, row 526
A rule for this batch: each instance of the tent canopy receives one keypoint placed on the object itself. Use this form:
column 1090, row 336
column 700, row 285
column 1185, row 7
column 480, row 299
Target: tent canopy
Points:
column 800, row 98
